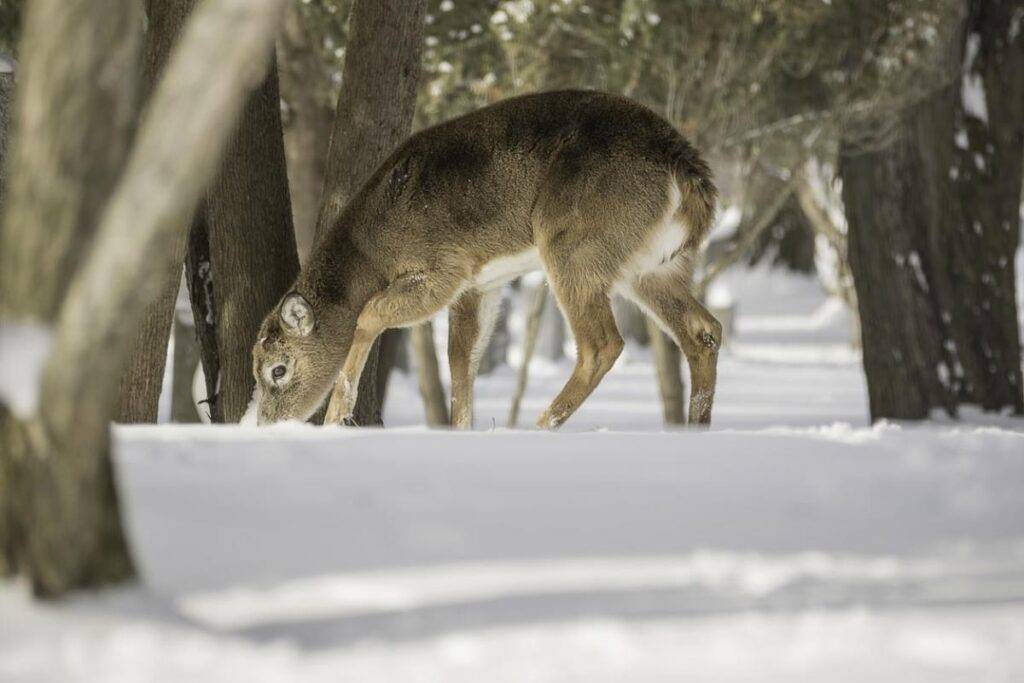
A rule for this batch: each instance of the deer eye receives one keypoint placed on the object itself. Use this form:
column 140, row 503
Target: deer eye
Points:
column 278, row 372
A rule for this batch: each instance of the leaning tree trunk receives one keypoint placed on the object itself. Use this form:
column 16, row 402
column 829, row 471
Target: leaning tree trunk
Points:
column 59, row 520
column 934, row 225
column 63, row 485
column 375, row 110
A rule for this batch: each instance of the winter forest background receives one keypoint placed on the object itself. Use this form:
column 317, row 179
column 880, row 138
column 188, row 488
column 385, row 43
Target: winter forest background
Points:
column 854, row 513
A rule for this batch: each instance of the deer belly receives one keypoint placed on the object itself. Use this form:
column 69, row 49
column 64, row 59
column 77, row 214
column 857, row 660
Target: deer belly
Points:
column 504, row 268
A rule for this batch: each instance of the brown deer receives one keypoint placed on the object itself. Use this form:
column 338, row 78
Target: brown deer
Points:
column 597, row 190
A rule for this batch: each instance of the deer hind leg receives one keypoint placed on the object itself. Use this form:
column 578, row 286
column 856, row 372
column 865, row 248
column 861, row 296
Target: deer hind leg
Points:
column 598, row 345
column 470, row 324
column 667, row 297
column 408, row 300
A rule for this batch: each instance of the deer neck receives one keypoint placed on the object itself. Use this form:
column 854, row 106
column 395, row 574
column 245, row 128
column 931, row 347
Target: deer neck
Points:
column 338, row 281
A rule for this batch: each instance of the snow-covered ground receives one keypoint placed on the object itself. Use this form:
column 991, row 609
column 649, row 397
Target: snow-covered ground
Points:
column 793, row 542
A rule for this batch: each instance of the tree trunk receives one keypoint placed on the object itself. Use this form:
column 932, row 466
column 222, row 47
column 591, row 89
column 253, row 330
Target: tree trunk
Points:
column 668, row 365
column 934, row 224
column 496, row 353
column 977, row 130
column 533, row 325
column 823, row 226
column 139, row 395
column 95, row 126
column 393, row 355
column 908, row 366
column 553, row 329
column 432, row 391
column 375, row 112
column 6, row 111
column 252, row 241
column 305, row 91
column 201, row 296
column 60, row 521
column 65, row 486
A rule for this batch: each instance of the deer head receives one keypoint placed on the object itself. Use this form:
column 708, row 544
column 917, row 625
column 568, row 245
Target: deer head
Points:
column 294, row 362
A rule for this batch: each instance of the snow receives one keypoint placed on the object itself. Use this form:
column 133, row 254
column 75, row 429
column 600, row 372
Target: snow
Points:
column 962, row 140
column 792, row 542
column 24, row 347
column 726, row 224
column 823, row 553
column 973, row 93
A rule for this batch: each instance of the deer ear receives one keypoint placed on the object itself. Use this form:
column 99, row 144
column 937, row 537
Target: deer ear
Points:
column 297, row 315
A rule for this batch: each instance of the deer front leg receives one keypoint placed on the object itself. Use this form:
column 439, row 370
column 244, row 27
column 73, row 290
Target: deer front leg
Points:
column 408, row 300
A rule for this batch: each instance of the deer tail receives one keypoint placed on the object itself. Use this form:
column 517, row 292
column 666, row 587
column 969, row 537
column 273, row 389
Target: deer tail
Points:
column 699, row 195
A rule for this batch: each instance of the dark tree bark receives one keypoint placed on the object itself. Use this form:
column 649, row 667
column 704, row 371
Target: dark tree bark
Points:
column 6, row 112
column 394, row 355
column 980, row 124
column 374, row 114
column 251, row 243
column 894, row 266
column 201, row 295
column 934, row 226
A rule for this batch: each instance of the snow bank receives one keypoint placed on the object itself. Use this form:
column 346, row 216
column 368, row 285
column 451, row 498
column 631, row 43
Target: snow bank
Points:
column 788, row 554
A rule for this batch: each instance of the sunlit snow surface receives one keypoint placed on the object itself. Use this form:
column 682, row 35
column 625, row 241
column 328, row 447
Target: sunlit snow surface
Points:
column 793, row 542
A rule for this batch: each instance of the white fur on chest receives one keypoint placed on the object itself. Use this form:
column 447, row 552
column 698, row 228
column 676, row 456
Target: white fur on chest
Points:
column 502, row 269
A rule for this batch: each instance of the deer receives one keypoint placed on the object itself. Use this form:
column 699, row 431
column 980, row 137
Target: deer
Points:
column 597, row 190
